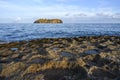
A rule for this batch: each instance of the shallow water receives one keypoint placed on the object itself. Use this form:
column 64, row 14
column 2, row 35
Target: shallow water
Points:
column 17, row 32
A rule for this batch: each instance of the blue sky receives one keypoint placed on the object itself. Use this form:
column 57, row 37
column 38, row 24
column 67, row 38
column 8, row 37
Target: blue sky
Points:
column 70, row 11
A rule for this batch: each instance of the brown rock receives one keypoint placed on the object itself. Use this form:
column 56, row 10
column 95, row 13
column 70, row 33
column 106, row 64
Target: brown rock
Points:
column 13, row 69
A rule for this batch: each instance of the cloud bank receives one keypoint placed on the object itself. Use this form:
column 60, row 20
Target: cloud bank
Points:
column 68, row 10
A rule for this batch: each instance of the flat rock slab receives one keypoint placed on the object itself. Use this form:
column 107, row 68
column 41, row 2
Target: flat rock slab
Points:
column 93, row 51
column 37, row 61
column 67, row 54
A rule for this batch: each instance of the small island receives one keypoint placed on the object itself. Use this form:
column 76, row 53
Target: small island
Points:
column 48, row 21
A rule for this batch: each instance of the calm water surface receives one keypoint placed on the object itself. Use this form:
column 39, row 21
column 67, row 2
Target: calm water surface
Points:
column 17, row 32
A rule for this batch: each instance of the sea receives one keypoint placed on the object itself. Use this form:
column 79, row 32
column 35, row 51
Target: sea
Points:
column 10, row 32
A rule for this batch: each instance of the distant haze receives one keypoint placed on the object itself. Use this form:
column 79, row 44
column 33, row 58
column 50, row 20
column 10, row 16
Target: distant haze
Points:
column 70, row 11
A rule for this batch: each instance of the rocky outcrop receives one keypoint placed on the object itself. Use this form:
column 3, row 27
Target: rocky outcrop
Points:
column 48, row 21
column 84, row 58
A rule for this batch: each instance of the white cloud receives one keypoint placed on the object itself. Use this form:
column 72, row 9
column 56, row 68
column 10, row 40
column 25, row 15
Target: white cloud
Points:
column 104, row 15
column 81, row 14
column 4, row 4
column 116, row 15
column 18, row 19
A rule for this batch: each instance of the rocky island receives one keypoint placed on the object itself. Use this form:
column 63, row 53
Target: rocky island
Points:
column 48, row 21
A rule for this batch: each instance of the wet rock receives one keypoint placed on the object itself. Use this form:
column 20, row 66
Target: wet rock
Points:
column 14, row 49
column 67, row 54
column 17, row 57
column 5, row 60
column 75, row 73
column 29, row 76
column 42, row 51
column 32, row 76
column 39, row 77
column 101, row 73
column 37, row 61
column 3, row 78
column 0, row 68
column 118, row 78
column 55, row 49
column 94, row 51
column 84, row 58
column 101, row 61
column 101, row 46
column 83, row 46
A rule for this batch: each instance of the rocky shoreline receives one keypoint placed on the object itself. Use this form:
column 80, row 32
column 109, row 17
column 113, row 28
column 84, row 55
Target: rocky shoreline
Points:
column 83, row 58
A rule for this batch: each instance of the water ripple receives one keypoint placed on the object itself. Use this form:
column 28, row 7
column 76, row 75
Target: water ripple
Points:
column 17, row 32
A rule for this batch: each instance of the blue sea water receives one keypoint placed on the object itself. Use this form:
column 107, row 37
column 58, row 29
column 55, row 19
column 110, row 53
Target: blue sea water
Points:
column 17, row 32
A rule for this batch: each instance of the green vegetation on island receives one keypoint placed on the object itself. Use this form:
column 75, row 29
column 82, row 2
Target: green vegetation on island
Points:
column 48, row 21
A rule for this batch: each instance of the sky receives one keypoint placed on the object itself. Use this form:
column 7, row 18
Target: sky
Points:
column 70, row 11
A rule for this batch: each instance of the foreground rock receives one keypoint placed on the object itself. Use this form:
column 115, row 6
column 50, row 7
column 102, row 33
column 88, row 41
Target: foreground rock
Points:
column 83, row 58
column 48, row 21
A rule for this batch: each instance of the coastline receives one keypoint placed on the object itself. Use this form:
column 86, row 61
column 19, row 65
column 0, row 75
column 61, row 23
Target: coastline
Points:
column 84, row 58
